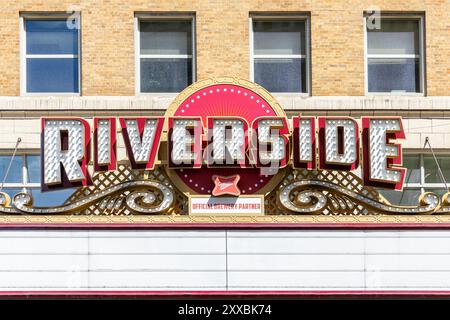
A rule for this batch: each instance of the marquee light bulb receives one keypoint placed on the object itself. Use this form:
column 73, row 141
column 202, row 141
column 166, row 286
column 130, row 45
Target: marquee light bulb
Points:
column 142, row 139
column 72, row 157
column 227, row 141
column 185, row 145
column 272, row 143
column 380, row 155
column 338, row 145
column 104, row 138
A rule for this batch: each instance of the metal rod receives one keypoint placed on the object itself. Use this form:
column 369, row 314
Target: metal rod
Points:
column 441, row 175
column 10, row 163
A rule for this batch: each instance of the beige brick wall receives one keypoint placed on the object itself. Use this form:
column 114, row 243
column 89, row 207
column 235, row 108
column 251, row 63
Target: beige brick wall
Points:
column 108, row 66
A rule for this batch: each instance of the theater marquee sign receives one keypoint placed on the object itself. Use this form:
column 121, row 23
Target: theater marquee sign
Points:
column 225, row 151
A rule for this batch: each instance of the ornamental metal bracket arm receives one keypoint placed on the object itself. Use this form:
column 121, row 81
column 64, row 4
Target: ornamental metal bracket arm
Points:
column 144, row 197
column 307, row 197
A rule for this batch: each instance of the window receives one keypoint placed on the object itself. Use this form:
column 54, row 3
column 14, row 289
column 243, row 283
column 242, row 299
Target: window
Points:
column 395, row 56
column 280, row 54
column 422, row 176
column 50, row 55
column 165, row 54
column 24, row 176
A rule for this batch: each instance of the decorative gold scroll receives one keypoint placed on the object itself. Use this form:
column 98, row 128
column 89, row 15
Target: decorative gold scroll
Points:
column 326, row 192
column 307, row 196
column 144, row 197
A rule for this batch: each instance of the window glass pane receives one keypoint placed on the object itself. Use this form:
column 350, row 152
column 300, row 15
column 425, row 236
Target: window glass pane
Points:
column 34, row 168
column 52, row 75
column 12, row 192
column 279, row 37
column 165, row 75
column 431, row 169
column 51, row 37
column 281, row 75
column 390, row 75
column 15, row 172
column 407, row 197
column 412, row 163
column 50, row 198
column 394, row 37
column 166, row 37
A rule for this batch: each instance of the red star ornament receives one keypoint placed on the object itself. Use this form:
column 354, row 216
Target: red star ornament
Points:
column 226, row 185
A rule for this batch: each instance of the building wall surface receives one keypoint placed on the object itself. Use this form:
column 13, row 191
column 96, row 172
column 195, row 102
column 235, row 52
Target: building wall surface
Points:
column 222, row 49
column 33, row 260
column 222, row 38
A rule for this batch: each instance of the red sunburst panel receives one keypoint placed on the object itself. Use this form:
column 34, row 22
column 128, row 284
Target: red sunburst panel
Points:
column 224, row 100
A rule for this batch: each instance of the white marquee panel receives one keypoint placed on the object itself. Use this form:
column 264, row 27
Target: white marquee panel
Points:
column 185, row 260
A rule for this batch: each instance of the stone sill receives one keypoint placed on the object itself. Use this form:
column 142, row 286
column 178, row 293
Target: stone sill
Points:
column 288, row 102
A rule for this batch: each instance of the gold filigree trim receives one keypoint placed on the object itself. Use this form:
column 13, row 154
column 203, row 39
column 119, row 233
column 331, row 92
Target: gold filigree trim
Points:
column 231, row 221
column 127, row 192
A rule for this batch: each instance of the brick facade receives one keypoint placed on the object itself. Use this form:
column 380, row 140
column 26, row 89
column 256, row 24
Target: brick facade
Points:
column 223, row 49
column 222, row 40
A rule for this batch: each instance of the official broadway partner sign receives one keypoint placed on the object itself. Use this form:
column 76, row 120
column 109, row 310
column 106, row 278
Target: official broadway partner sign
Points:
column 223, row 147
